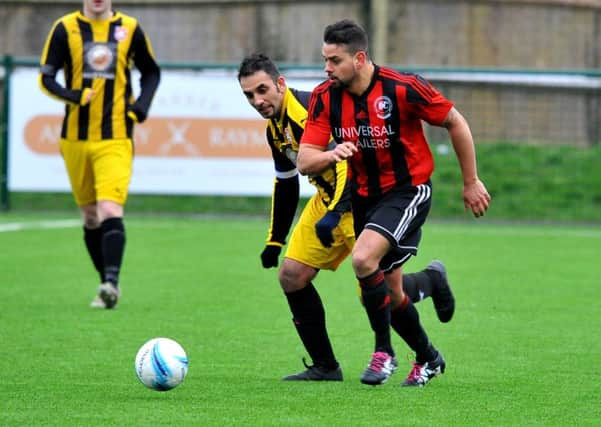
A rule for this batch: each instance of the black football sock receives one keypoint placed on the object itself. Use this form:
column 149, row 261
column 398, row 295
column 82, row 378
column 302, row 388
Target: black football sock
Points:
column 93, row 239
column 417, row 286
column 310, row 322
column 376, row 301
column 405, row 321
column 113, row 246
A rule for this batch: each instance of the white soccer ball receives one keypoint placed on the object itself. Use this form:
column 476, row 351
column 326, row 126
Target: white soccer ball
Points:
column 161, row 364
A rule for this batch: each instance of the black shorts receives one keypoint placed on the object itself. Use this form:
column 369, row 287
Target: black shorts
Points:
column 398, row 215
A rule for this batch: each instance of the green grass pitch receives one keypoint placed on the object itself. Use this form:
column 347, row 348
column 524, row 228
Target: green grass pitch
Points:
column 524, row 347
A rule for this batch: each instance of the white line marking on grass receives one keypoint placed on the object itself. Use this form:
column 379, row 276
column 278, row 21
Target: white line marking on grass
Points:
column 37, row 225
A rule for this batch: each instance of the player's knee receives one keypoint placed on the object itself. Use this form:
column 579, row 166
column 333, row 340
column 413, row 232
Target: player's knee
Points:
column 89, row 214
column 289, row 282
column 364, row 263
column 109, row 209
column 293, row 277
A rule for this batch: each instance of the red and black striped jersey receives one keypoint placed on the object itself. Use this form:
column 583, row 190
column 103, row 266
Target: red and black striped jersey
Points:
column 385, row 123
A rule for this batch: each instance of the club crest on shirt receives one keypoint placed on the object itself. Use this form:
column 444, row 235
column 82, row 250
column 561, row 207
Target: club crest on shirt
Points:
column 383, row 107
column 120, row 33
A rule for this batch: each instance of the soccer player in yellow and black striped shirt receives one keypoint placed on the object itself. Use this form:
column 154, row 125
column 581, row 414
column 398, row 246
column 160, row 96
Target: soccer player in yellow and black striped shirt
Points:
column 96, row 48
column 324, row 235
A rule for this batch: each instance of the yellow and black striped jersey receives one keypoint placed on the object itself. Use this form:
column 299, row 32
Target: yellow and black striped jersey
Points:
column 284, row 135
column 99, row 55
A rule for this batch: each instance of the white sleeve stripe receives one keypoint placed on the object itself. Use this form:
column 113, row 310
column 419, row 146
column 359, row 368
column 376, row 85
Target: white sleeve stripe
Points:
column 287, row 174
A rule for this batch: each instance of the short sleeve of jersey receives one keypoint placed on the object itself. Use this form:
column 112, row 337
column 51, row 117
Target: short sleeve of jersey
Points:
column 317, row 129
column 425, row 101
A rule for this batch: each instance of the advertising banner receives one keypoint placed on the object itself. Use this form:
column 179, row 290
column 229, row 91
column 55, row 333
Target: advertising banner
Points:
column 201, row 137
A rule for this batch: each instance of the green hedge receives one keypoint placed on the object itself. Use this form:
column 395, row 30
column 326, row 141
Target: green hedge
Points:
column 549, row 183
column 526, row 182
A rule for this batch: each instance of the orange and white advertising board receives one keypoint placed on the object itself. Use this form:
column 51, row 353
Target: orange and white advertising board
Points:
column 201, row 137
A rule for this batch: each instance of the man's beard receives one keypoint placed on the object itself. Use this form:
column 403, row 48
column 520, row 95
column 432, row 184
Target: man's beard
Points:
column 339, row 83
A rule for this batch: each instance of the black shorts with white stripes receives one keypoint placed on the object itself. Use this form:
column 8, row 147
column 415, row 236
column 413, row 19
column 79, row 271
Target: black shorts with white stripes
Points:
column 398, row 215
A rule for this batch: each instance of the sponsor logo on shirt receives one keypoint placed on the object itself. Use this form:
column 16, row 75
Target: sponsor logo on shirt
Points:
column 99, row 60
column 383, row 107
column 365, row 136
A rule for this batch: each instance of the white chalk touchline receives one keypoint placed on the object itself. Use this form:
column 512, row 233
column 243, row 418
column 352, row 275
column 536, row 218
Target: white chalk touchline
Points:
column 32, row 225
column 522, row 231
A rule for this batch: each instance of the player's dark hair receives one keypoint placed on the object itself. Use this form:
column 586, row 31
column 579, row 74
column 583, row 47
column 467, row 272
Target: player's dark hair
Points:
column 258, row 62
column 348, row 33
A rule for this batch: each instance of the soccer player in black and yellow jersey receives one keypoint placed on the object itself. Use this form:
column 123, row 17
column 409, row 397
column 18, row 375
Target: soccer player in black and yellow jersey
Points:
column 324, row 235
column 96, row 49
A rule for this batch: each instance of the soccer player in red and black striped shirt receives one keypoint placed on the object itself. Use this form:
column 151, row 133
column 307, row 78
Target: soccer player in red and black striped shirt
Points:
column 324, row 234
column 375, row 115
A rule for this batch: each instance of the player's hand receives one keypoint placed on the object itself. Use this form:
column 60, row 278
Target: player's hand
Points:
column 269, row 256
column 132, row 116
column 476, row 197
column 86, row 96
column 344, row 151
column 325, row 227
column 135, row 113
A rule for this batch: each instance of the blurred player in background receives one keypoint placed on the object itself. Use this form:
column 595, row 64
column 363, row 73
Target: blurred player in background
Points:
column 324, row 235
column 375, row 113
column 96, row 48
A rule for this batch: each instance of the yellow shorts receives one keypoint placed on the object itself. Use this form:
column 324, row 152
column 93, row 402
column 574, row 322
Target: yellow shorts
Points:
column 98, row 170
column 304, row 245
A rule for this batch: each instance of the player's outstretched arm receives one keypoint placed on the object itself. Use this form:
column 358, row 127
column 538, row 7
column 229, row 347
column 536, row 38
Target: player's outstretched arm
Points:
column 475, row 195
